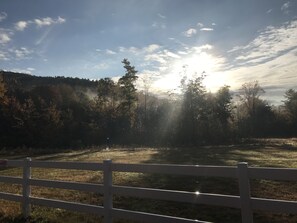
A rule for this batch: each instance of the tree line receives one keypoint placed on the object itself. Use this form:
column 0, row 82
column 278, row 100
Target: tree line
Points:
column 70, row 112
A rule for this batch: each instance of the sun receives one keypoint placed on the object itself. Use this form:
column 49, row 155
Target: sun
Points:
column 215, row 81
column 191, row 67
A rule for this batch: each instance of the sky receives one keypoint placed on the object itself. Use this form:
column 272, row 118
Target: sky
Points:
column 231, row 41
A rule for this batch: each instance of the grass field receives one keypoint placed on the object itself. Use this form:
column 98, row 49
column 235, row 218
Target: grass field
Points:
column 261, row 152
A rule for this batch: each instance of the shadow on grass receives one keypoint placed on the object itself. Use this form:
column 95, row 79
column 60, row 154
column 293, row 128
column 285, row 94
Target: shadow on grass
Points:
column 20, row 219
column 47, row 154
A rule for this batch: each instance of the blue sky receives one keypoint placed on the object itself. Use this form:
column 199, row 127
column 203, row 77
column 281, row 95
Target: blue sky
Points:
column 231, row 41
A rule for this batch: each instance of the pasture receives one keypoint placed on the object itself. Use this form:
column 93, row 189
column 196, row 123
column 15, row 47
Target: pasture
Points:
column 260, row 152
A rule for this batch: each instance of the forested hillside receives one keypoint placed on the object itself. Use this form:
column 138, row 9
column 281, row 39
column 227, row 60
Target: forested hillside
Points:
column 61, row 112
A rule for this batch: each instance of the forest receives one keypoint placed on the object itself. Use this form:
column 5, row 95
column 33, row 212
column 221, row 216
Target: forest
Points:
column 48, row 112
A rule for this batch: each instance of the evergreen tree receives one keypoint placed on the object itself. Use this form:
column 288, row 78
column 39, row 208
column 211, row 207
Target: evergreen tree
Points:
column 128, row 92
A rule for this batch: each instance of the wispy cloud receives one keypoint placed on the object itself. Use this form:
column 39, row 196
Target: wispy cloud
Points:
column 202, row 48
column 285, row 7
column 167, row 53
column 190, row 32
column 269, row 11
column 101, row 66
column 137, row 51
column 40, row 22
column 271, row 42
column 161, row 16
column 159, row 25
column 206, row 29
column 157, row 57
column 162, row 56
column 280, row 72
column 21, row 53
column 3, row 56
column 203, row 28
column 3, row 15
column 49, row 21
column 31, row 69
column 270, row 58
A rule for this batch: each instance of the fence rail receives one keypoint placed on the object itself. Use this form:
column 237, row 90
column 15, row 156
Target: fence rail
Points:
column 242, row 172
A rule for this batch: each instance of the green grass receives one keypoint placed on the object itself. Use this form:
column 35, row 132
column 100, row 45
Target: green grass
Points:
column 261, row 152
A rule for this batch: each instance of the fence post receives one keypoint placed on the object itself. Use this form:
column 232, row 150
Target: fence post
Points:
column 107, row 182
column 26, row 187
column 245, row 193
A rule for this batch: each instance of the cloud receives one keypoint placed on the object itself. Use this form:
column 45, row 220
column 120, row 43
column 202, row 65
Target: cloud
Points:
column 190, row 32
column 162, row 57
column 41, row 22
column 202, row 48
column 132, row 50
column 4, row 37
column 4, row 56
column 159, row 25
column 16, row 54
column 22, row 53
column 199, row 24
column 156, row 57
column 110, row 52
column 161, row 16
column 60, row 20
column 285, row 7
column 182, row 52
column 31, row 69
column 138, row 51
column 206, row 29
column 269, row 11
column 171, row 54
column 3, row 16
column 213, row 24
column 24, row 71
column 21, row 25
column 48, row 21
column 101, row 66
column 151, row 48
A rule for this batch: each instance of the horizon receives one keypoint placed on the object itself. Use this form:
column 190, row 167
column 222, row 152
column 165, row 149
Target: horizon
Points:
column 233, row 42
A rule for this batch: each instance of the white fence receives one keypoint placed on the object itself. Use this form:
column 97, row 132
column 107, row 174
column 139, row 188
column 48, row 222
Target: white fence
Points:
column 242, row 172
